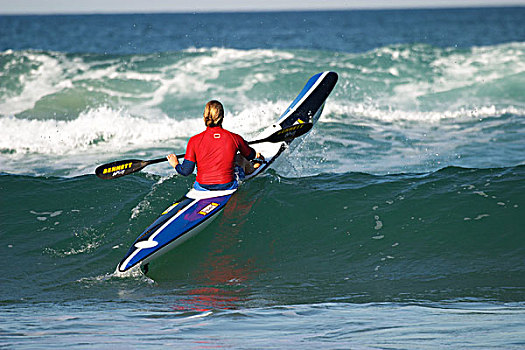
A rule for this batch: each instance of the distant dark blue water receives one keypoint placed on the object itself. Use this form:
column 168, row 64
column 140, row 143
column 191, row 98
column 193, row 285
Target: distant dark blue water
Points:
column 396, row 224
column 337, row 31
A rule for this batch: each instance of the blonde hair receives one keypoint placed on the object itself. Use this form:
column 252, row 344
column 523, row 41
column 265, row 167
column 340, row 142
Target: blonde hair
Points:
column 213, row 113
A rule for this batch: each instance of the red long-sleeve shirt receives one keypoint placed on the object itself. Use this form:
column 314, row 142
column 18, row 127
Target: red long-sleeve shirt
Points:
column 213, row 151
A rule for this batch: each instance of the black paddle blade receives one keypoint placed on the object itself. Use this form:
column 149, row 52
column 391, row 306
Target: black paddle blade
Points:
column 119, row 168
column 289, row 133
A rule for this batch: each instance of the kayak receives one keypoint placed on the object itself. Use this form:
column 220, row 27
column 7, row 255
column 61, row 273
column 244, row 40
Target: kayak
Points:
column 197, row 209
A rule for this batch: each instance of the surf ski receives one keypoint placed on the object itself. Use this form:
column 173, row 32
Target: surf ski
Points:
column 197, row 209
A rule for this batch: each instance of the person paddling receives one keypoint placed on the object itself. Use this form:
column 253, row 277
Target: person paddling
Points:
column 218, row 154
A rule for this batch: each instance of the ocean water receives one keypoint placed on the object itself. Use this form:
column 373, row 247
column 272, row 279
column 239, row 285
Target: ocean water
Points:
column 396, row 224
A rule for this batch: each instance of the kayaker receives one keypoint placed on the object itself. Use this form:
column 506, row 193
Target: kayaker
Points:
column 219, row 154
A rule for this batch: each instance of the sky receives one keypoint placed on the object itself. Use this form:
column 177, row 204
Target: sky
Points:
column 142, row 6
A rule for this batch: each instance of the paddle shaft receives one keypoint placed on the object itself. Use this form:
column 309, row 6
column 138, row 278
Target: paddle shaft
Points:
column 279, row 136
column 125, row 167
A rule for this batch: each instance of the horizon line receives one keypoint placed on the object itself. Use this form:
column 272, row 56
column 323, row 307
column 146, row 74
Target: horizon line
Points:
column 259, row 10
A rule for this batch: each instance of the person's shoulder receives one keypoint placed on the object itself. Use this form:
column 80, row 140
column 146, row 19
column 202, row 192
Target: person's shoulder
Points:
column 197, row 136
column 234, row 135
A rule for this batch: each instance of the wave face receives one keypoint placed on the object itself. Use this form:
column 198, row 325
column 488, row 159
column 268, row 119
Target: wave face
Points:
column 454, row 233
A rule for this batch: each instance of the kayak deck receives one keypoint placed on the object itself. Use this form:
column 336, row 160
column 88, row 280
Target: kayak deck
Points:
column 178, row 222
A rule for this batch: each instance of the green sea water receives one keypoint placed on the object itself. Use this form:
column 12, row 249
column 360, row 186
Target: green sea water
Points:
column 337, row 244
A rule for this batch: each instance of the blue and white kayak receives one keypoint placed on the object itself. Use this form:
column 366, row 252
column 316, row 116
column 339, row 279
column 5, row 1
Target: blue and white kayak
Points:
column 197, row 209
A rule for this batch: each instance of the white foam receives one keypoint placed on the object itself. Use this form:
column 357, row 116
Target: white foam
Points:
column 103, row 134
column 420, row 77
column 105, row 127
column 481, row 64
column 201, row 74
column 95, row 129
column 339, row 112
column 422, row 87
column 38, row 82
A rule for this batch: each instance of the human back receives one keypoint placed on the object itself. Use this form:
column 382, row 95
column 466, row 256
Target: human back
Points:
column 214, row 150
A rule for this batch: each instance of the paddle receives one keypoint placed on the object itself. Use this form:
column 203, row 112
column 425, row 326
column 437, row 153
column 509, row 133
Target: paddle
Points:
column 125, row 167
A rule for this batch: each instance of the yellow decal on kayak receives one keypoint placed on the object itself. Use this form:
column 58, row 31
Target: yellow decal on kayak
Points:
column 117, row 168
column 170, row 207
column 208, row 209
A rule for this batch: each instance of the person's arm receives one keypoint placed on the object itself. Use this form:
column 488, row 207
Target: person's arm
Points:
column 252, row 154
column 255, row 155
column 190, row 161
column 247, row 151
column 185, row 169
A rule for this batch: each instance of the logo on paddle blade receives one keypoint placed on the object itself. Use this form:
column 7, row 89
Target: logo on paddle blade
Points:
column 119, row 168
column 290, row 132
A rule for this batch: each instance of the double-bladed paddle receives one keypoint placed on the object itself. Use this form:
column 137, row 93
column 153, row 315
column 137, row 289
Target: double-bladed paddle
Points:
column 125, row 167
